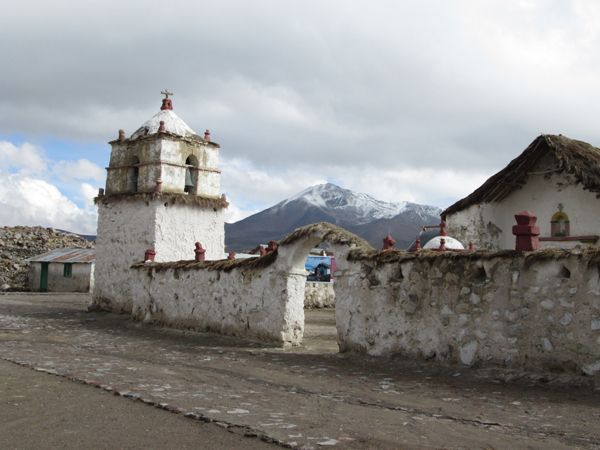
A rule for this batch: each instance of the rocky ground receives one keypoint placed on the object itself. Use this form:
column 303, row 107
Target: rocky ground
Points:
column 19, row 243
column 306, row 397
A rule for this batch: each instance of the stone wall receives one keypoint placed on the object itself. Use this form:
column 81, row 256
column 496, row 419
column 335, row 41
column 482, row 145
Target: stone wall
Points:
column 246, row 298
column 498, row 308
column 319, row 295
column 539, row 308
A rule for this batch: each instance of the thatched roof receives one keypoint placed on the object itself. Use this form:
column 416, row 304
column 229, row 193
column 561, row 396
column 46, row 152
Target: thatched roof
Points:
column 224, row 265
column 577, row 158
column 332, row 234
column 171, row 198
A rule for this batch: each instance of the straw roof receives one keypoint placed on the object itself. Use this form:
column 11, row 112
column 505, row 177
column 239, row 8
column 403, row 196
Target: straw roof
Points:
column 171, row 198
column 577, row 158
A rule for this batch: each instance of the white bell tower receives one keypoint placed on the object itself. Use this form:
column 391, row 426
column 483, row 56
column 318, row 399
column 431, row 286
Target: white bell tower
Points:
column 162, row 194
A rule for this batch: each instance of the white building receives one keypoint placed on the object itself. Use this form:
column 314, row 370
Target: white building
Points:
column 162, row 194
column 62, row 270
column 556, row 178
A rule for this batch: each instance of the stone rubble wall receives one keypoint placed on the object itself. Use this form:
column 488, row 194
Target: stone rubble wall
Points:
column 510, row 310
column 319, row 295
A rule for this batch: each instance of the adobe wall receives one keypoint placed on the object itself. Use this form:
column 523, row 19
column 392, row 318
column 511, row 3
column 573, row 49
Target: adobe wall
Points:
column 500, row 308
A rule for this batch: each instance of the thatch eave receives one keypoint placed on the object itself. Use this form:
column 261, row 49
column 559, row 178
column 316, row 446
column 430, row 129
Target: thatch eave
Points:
column 577, row 158
column 171, row 198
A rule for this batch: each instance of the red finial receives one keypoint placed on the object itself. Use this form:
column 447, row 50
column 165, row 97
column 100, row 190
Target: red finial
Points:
column 207, row 135
column 121, row 134
column 199, row 252
column 166, row 103
column 231, row 256
column 100, row 192
column 158, row 187
column 417, row 246
column 443, row 229
column 263, row 251
column 150, row 255
column 442, row 245
column 388, row 242
column 161, row 128
column 271, row 246
column 470, row 246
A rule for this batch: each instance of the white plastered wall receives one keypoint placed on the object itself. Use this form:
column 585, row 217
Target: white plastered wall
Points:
column 489, row 225
column 126, row 229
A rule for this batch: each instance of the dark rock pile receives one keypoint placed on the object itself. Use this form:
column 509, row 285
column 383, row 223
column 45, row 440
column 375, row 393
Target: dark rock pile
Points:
column 20, row 243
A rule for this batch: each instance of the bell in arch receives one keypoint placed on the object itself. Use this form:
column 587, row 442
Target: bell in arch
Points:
column 188, row 181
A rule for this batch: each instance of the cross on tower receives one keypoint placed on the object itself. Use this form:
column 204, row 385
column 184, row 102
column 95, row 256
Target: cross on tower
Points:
column 167, row 93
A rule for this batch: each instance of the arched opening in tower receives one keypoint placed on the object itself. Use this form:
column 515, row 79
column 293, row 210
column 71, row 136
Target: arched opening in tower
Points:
column 133, row 175
column 191, row 175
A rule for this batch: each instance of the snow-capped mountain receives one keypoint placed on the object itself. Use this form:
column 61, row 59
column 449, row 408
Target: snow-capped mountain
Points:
column 345, row 204
column 359, row 213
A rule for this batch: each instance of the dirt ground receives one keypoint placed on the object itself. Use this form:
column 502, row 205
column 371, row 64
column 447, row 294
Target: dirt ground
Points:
column 73, row 379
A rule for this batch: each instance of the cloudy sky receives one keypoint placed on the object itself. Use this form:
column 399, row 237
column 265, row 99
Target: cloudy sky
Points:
column 402, row 100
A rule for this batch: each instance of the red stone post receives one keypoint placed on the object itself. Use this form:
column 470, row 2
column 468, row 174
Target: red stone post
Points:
column 150, row 255
column 388, row 242
column 417, row 246
column 443, row 231
column 231, row 256
column 199, row 252
column 526, row 232
column 271, row 246
column 442, row 245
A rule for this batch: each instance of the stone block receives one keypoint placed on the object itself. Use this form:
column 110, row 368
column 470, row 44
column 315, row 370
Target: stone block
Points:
column 467, row 352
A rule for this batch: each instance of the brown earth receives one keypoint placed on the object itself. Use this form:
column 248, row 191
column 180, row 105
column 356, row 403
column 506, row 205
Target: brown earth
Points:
column 302, row 397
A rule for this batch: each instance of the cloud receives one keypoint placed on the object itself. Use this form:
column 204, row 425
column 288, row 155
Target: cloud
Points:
column 409, row 100
column 78, row 170
column 87, row 195
column 25, row 159
column 31, row 202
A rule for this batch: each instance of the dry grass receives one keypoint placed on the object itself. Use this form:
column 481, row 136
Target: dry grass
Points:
column 332, row 234
column 224, row 265
column 171, row 198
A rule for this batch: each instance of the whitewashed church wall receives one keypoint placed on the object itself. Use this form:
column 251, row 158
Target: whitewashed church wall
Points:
column 120, row 242
column 171, row 231
column 180, row 226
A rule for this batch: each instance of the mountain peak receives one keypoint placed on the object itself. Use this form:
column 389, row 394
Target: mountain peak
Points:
column 343, row 203
column 358, row 213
